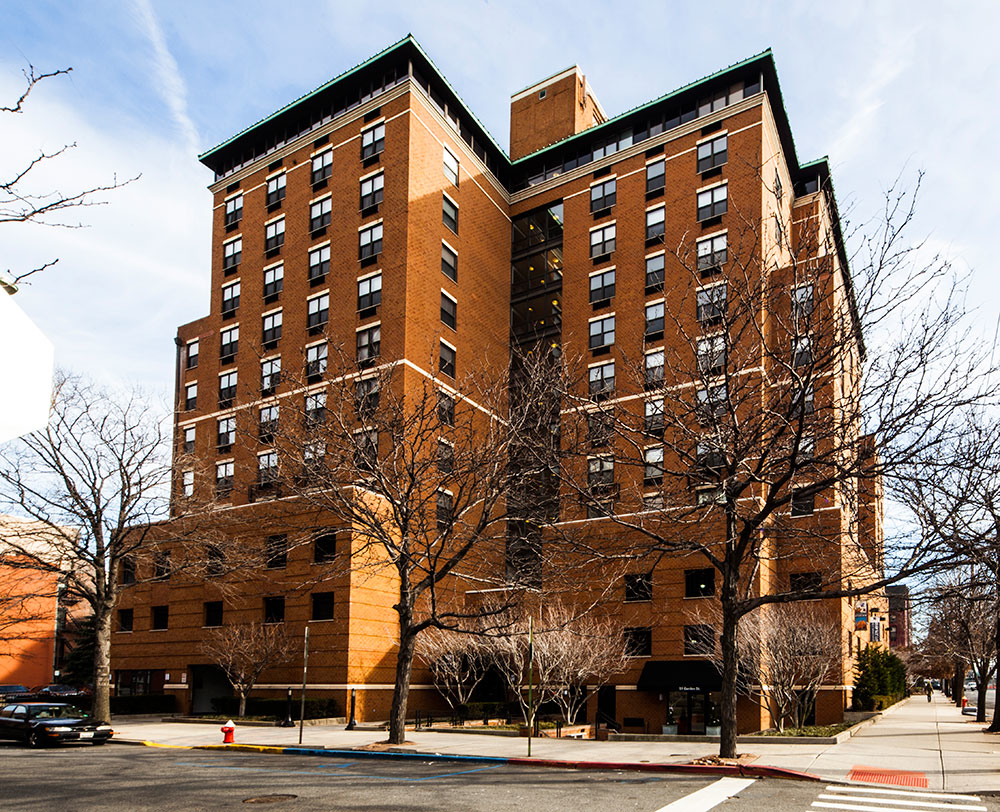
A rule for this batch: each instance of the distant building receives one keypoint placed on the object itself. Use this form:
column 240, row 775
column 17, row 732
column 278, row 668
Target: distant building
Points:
column 900, row 628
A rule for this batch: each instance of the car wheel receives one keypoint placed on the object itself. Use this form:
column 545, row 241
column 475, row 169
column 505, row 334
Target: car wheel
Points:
column 99, row 742
column 35, row 739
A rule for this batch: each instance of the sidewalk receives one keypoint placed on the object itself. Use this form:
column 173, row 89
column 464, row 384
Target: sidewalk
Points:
column 929, row 738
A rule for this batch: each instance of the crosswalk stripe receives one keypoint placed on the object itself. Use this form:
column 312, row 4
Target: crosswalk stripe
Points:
column 708, row 797
column 903, row 802
column 902, row 792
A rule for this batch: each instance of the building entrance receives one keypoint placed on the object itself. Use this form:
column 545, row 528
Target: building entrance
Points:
column 208, row 682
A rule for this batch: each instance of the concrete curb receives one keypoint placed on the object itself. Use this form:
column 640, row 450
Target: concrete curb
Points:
column 744, row 770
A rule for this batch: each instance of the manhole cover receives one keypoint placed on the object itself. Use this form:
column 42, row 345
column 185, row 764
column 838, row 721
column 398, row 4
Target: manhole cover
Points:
column 269, row 799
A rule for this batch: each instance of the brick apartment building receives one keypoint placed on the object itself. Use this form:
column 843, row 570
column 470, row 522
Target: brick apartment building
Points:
column 376, row 214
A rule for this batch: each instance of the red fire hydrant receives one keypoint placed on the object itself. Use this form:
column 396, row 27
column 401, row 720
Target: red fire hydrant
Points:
column 227, row 732
column 964, row 702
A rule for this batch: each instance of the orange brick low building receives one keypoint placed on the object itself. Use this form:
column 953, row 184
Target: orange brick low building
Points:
column 376, row 214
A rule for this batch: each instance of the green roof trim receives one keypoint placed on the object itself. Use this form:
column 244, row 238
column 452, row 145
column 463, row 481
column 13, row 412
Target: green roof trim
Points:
column 591, row 130
column 542, row 81
column 302, row 98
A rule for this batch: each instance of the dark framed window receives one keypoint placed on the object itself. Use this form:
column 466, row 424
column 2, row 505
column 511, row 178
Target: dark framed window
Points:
column 712, row 253
column 274, row 280
column 229, row 341
column 372, row 141
column 801, row 351
column 449, row 311
column 446, row 409
column 315, row 408
column 234, row 210
column 639, row 587
column 230, row 299
column 316, row 360
column 325, row 548
column 602, row 332
column 444, row 510
column 654, row 271
column 318, row 311
column 225, row 433
column 656, row 222
column 713, row 153
column 711, row 401
column 267, row 469
column 602, row 240
column 805, row 581
column 366, row 449
column 709, row 456
column 652, row 465
column 449, row 262
column 802, row 304
column 653, row 368
column 699, row 639
column 276, row 189
column 639, row 641
column 216, row 564
column 227, row 389
column 270, row 375
column 446, row 360
column 699, row 583
column 600, row 473
column 711, row 355
column 602, row 285
column 449, row 213
column 271, row 328
column 191, row 356
column 159, row 617
column 276, row 551
column 711, row 304
column 126, row 571
column 319, row 262
column 274, row 609
column 600, row 425
column 450, row 166
column 803, row 502
column 366, row 396
column 370, row 291
column 267, row 422
column 189, row 435
column 656, row 173
column 370, row 241
column 601, row 379
column 322, row 166
column 126, row 620
column 603, row 195
column 654, row 319
column 223, row 478
column 713, row 202
column 232, row 253
column 320, row 213
column 213, row 613
column 445, row 457
column 652, row 422
column 322, row 605
column 274, row 234
column 371, row 190
column 804, row 402
column 369, row 343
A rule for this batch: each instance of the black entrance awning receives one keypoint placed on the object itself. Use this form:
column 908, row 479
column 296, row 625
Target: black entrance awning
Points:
column 679, row 675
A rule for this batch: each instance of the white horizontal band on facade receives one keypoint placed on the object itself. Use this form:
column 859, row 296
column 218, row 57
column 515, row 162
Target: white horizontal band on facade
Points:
column 340, row 686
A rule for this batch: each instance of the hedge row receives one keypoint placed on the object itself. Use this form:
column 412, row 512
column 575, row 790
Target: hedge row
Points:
column 151, row 703
column 276, row 708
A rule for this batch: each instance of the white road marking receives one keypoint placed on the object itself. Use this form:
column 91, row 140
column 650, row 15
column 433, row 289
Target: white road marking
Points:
column 902, row 802
column 708, row 797
column 902, row 792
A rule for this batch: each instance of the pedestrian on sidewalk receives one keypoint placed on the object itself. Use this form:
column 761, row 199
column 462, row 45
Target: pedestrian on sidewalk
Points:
column 928, row 689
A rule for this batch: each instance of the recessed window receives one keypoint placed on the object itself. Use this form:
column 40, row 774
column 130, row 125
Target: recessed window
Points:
column 801, row 351
column 603, row 195
column 271, row 328
column 656, row 222
column 602, row 286
column 602, row 332
column 449, row 311
column 320, row 213
column 319, row 262
column 711, row 495
column 191, row 356
column 446, row 409
column 450, row 166
column 322, row 605
column 602, row 240
column 370, row 241
column 711, row 402
column 711, row 305
column 274, row 280
column 802, row 304
column 713, row 202
column 316, row 360
column 654, row 271
column 274, row 609
column 699, row 640
column 709, row 455
column 366, row 450
column 315, row 408
column 449, row 262
column 711, row 353
column 270, row 375
column 652, row 465
column 318, row 311
column 229, row 340
column 639, row 587
column 446, row 360
column 325, row 548
column 230, row 299
column 161, row 565
column 322, row 166
column 213, row 613
column 187, row 483
column 267, row 469
column 267, row 422
column 274, row 234
column 370, row 291
column 601, row 379
column 656, row 174
column 600, row 425
column 369, row 344
column 654, row 319
column 159, row 617
column 191, row 396
column 227, row 388
column 225, row 433
column 713, row 153
column 366, row 396
column 127, row 570
column 189, row 435
column 372, row 141
column 639, row 641
column 445, row 457
column 276, row 189
column 805, row 581
column 712, row 253
column 653, row 416
column 126, row 620
column 444, row 510
column 654, row 368
column 234, row 210
column 803, row 502
column 371, row 190
column 449, row 213
column 232, row 252
column 699, row 583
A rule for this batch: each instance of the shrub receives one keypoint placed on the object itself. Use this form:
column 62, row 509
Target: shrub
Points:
column 275, row 707
column 880, row 679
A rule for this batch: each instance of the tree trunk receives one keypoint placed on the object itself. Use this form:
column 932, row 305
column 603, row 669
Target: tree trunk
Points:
column 995, row 724
column 981, row 700
column 958, row 681
column 102, row 667
column 401, row 690
column 243, row 704
column 727, row 703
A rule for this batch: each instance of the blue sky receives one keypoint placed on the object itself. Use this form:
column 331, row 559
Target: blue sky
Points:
column 882, row 88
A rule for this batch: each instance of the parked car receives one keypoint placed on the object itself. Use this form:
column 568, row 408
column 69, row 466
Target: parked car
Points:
column 58, row 691
column 10, row 692
column 43, row 723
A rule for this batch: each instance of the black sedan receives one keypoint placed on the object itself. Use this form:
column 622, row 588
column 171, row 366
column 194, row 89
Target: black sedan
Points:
column 42, row 723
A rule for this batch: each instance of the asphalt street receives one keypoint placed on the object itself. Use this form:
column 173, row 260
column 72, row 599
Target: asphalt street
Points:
column 138, row 778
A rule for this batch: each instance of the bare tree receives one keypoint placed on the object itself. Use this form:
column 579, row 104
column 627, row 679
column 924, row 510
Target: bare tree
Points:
column 21, row 204
column 457, row 661
column 244, row 651
column 791, row 383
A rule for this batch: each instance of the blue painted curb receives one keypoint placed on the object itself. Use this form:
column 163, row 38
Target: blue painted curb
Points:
column 358, row 754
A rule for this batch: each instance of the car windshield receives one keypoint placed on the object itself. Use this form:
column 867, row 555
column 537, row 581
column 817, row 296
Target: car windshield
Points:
column 57, row 712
